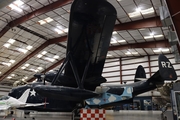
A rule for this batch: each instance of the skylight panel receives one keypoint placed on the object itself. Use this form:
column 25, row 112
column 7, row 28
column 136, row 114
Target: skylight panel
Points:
column 7, row 45
column 46, row 20
column 138, row 12
column 11, row 41
column 16, row 5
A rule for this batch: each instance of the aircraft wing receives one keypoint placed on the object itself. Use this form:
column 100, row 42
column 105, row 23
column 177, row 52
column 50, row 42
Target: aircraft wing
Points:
column 34, row 104
column 4, row 107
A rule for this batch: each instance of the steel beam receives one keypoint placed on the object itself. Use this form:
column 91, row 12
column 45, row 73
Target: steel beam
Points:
column 48, row 69
column 139, row 24
column 44, row 45
column 124, row 26
column 33, row 14
column 153, row 44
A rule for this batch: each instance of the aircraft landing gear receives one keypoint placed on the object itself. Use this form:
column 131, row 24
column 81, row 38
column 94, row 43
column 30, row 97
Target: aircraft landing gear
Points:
column 76, row 112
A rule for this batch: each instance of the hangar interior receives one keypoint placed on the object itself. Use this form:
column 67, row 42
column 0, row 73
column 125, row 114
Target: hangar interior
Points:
column 33, row 39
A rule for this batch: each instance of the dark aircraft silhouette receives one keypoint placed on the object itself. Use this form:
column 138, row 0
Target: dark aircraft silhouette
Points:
column 79, row 78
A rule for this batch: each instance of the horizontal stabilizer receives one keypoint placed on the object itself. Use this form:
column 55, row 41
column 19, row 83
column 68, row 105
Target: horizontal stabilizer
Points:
column 166, row 70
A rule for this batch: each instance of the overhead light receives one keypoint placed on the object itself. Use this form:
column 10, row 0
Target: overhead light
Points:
column 138, row 9
column 66, row 30
column 23, row 67
column 58, row 31
column 14, row 7
column 134, row 53
column 9, row 77
column 46, row 20
column 157, row 50
column 165, row 50
column 12, row 75
column 152, row 34
column 29, row 47
column 134, row 14
column 157, row 36
column 7, row 45
column 56, row 57
column 18, row 2
column 12, row 61
column 0, row 72
column 138, row 12
column 41, row 22
column 25, row 77
column 22, row 50
column 8, row 64
column 26, row 65
column 50, row 59
column 108, row 55
column 34, row 70
column 148, row 37
column 128, row 53
column 147, row 11
column 113, row 41
column 44, row 52
column 121, row 41
column 39, row 68
column 114, row 33
column 39, row 55
column 11, row 41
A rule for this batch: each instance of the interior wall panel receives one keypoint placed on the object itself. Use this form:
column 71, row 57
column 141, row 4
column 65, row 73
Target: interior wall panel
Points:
column 112, row 68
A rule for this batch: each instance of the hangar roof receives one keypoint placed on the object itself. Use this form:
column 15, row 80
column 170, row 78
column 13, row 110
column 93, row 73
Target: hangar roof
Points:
column 33, row 34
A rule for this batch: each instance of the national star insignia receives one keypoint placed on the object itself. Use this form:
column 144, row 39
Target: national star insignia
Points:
column 32, row 93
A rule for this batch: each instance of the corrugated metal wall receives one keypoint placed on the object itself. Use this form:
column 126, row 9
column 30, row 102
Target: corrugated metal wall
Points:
column 121, row 70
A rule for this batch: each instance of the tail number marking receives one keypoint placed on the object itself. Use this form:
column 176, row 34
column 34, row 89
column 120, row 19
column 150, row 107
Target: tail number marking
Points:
column 166, row 64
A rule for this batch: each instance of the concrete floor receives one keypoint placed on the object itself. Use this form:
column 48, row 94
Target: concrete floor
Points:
column 110, row 115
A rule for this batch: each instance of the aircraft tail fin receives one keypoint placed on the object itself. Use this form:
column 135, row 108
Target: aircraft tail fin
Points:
column 24, row 96
column 140, row 74
column 166, row 71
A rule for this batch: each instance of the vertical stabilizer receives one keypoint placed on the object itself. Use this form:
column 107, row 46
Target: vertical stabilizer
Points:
column 24, row 96
column 140, row 74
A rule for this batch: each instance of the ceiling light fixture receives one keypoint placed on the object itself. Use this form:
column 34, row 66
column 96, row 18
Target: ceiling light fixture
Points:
column 109, row 55
column 11, row 41
column 56, row 57
column 138, row 12
column 8, row 64
column 121, row 41
column 44, row 21
column 22, row 50
column 26, row 65
column 23, row 67
column 29, row 47
column 128, row 53
column 44, row 52
column 12, row 61
column 50, row 59
column 7, row 45
column 39, row 55
column 15, row 7
column 58, row 31
column 18, row 2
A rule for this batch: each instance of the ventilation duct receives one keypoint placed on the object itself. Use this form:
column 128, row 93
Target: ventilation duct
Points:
column 172, row 37
column 165, row 16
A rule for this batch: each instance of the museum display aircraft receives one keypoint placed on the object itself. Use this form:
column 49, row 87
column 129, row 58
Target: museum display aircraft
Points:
column 8, row 102
column 79, row 79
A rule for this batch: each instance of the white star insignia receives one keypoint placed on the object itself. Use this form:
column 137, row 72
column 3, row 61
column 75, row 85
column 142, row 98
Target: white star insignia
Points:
column 32, row 93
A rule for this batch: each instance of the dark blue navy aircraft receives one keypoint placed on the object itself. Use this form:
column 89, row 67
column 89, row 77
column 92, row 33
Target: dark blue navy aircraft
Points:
column 79, row 78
